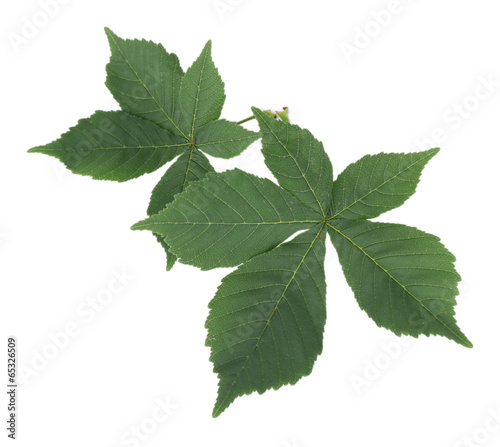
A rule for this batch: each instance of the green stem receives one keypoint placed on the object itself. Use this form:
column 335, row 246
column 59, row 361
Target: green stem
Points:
column 246, row 119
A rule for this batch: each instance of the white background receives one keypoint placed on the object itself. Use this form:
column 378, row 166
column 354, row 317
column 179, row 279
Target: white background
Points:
column 63, row 236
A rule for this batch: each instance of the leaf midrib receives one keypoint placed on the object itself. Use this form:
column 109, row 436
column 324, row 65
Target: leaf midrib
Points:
column 188, row 167
column 139, row 226
column 198, row 88
column 224, row 141
column 111, row 148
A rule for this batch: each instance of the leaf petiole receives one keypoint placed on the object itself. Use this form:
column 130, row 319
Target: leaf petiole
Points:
column 246, row 119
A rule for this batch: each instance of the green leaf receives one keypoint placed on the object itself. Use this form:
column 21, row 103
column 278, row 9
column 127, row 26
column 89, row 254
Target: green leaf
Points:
column 201, row 93
column 192, row 165
column 223, row 138
column 145, row 80
column 114, row 146
column 170, row 257
column 377, row 183
column 227, row 218
column 265, row 327
column 403, row 278
column 297, row 160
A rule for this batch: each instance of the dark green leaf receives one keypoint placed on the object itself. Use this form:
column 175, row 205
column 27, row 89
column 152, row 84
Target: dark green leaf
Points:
column 377, row 183
column 192, row 165
column 266, row 322
column 224, row 139
column 202, row 93
column 297, row 160
column 227, row 218
column 145, row 80
column 265, row 327
column 114, row 146
column 170, row 257
column 403, row 278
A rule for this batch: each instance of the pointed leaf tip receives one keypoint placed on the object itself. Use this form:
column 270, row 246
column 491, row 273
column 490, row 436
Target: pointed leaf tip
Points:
column 468, row 344
column 137, row 226
column 109, row 32
column 433, row 151
column 255, row 110
column 201, row 93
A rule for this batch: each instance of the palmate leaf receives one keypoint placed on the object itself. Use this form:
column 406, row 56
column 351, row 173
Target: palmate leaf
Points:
column 232, row 217
column 266, row 321
column 165, row 112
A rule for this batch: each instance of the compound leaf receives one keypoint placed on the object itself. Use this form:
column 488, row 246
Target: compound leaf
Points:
column 227, row 218
column 192, row 165
column 114, row 146
column 297, row 160
column 265, row 327
column 201, row 93
column 377, row 183
column 266, row 322
column 223, row 138
column 145, row 80
column 149, row 82
column 403, row 278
